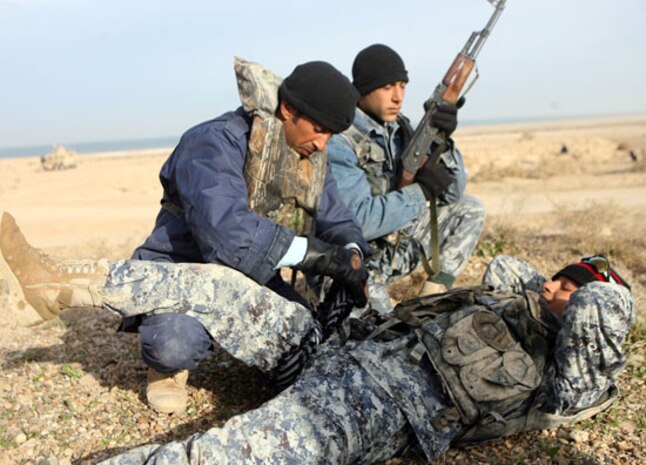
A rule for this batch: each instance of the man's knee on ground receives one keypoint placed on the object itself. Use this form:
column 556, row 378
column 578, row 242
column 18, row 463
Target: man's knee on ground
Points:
column 172, row 342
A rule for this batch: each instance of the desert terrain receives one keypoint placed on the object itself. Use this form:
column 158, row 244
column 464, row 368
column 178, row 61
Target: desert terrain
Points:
column 72, row 389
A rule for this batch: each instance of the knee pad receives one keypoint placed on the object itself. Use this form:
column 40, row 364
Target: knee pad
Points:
column 172, row 342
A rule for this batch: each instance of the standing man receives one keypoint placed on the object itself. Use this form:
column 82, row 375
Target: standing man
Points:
column 236, row 298
column 366, row 164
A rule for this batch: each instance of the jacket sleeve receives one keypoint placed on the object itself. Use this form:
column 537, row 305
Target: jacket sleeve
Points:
column 378, row 215
column 335, row 222
column 213, row 194
column 512, row 274
column 588, row 356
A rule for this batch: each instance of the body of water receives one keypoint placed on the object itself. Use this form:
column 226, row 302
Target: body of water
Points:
column 164, row 142
column 91, row 147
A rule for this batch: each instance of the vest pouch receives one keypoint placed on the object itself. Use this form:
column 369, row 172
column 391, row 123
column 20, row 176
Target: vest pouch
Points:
column 483, row 366
column 372, row 159
column 373, row 162
column 492, row 366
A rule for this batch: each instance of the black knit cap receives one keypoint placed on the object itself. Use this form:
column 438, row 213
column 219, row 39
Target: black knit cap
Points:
column 586, row 272
column 320, row 92
column 375, row 66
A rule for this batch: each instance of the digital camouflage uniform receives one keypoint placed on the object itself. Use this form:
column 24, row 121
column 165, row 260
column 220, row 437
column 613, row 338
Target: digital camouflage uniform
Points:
column 368, row 400
column 460, row 225
column 589, row 340
column 250, row 321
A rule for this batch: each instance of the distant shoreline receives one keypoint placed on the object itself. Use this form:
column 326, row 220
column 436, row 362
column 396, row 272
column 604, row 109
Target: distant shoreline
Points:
column 145, row 146
column 90, row 148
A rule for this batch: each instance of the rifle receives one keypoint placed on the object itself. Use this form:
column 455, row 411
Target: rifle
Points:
column 329, row 315
column 415, row 154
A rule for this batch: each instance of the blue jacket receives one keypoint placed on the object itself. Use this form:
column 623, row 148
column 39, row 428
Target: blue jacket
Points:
column 381, row 215
column 204, row 177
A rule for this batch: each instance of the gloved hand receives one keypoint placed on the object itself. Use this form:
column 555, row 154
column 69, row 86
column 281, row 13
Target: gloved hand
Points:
column 433, row 178
column 445, row 116
column 342, row 265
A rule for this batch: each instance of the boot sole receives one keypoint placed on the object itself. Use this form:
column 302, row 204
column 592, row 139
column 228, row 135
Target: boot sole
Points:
column 25, row 314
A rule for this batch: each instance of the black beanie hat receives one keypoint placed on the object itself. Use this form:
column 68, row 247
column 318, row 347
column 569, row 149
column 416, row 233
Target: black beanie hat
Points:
column 376, row 66
column 320, row 92
column 589, row 269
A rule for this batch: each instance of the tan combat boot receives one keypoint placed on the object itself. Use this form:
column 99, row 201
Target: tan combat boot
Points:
column 166, row 393
column 50, row 285
column 431, row 288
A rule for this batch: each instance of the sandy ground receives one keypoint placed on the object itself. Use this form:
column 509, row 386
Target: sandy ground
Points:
column 112, row 199
column 107, row 205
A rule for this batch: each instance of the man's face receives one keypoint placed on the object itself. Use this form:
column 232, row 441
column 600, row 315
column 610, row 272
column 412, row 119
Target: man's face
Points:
column 384, row 103
column 302, row 133
column 557, row 293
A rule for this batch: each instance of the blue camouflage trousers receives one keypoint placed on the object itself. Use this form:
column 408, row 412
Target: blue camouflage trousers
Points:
column 341, row 411
column 460, row 225
column 249, row 321
column 365, row 401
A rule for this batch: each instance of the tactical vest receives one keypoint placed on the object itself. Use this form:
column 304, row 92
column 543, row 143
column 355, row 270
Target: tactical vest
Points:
column 491, row 350
column 372, row 158
column 282, row 185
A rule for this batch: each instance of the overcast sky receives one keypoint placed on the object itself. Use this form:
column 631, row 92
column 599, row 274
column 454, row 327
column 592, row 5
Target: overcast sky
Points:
column 83, row 70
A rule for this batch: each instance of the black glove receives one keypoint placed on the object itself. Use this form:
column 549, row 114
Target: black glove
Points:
column 340, row 264
column 433, row 178
column 445, row 116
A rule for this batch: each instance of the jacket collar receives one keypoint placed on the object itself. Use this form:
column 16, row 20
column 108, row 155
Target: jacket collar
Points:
column 364, row 123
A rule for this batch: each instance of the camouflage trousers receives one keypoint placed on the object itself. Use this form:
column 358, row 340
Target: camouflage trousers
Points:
column 460, row 225
column 340, row 411
column 249, row 321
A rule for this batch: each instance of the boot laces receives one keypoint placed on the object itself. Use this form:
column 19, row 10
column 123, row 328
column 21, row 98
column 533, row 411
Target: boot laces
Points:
column 63, row 267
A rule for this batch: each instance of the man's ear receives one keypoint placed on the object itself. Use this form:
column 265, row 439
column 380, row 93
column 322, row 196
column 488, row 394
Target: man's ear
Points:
column 286, row 111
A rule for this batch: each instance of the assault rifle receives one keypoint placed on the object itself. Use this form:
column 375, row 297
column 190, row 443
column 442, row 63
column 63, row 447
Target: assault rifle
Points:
column 416, row 153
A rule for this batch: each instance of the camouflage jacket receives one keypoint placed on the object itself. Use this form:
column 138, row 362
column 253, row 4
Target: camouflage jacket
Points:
column 577, row 368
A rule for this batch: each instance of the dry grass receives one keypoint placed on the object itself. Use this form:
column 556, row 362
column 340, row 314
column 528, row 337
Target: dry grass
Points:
column 640, row 166
column 542, row 168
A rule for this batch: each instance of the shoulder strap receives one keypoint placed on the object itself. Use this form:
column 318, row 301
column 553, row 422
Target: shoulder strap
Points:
column 414, row 312
column 406, row 130
column 494, row 426
column 170, row 207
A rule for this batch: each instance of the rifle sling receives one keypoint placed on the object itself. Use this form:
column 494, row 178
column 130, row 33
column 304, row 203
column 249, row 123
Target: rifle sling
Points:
column 432, row 269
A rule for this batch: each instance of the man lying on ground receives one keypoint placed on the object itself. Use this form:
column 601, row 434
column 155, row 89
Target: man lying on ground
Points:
column 519, row 353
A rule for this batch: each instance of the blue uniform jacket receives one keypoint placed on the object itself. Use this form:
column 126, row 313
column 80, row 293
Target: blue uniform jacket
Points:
column 204, row 177
column 383, row 214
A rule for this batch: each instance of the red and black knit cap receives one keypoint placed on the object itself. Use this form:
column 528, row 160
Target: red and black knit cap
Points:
column 590, row 269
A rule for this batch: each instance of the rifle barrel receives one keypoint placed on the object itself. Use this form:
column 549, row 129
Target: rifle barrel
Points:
column 484, row 33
